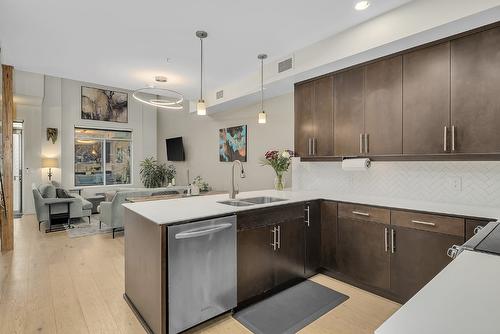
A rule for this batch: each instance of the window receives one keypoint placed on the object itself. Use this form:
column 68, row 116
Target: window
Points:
column 102, row 157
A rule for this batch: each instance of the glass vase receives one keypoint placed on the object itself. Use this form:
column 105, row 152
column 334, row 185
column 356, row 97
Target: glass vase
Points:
column 279, row 181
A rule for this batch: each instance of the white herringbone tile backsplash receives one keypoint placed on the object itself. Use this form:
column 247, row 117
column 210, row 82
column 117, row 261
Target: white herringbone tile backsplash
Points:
column 478, row 182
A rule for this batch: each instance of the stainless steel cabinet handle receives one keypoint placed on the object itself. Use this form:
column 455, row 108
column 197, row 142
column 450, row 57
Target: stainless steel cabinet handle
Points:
column 360, row 143
column 273, row 231
column 477, row 229
column 445, row 139
column 365, row 214
column 453, row 138
column 309, row 146
column 279, row 237
column 386, row 241
column 366, row 143
column 308, row 221
column 393, row 241
column 423, row 223
column 314, row 146
column 201, row 232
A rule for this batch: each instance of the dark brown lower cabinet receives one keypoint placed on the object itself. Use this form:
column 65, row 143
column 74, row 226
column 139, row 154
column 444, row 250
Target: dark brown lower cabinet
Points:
column 328, row 234
column 255, row 262
column 270, row 249
column 416, row 257
column 312, row 225
column 361, row 252
column 471, row 225
column 289, row 256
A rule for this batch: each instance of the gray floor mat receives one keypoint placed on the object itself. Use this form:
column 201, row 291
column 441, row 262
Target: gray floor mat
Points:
column 290, row 310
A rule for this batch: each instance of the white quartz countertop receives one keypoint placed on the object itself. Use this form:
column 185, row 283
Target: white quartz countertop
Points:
column 198, row 207
column 462, row 299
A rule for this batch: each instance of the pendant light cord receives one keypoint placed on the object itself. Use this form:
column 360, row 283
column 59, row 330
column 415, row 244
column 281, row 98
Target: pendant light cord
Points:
column 201, row 70
column 262, row 84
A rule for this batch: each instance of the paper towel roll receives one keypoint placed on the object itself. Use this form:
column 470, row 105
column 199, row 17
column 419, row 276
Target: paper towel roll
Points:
column 356, row 165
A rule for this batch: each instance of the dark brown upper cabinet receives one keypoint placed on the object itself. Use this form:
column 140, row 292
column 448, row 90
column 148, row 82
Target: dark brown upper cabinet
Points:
column 348, row 112
column 426, row 100
column 314, row 118
column 475, row 98
column 383, row 107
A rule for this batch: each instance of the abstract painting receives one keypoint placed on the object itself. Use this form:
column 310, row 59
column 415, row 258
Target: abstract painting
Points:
column 104, row 105
column 233, row 144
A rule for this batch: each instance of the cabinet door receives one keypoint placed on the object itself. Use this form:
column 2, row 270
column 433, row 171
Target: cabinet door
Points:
column 289, row 256
column 348, row 122
column 383, row 107
column 328, row 234
column 303, row 108
column 470, row 226
column 361, row 252
column 313, row 239
column 418, row 257
column 426, row 100
column 475, row 101
column 255, row 262
column 323, row 117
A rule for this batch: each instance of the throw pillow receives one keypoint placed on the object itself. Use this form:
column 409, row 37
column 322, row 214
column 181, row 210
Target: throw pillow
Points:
column 63, row 193
column 47, row 190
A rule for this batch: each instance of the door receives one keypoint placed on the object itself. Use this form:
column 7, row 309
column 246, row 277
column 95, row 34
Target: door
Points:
column 362, row 252
column 323, row 117
column 17, row 168
column 312, row 238
column 289, row 256
column 328, row 234
column 426, row 100
column 303, row 105
column 475, row 101
column 255, row 262
column 418, row 257
column 383, row 109
column 348, row 122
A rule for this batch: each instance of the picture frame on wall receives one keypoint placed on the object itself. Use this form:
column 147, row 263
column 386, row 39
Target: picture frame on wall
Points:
column 104, row 105
column 233, row 144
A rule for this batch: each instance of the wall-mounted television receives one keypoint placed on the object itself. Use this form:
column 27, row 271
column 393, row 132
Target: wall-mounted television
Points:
column 175, row 149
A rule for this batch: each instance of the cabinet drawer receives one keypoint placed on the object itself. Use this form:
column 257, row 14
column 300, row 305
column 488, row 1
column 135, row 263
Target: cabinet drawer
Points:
column 428, row 222
column 270, row 216
column 365, row 213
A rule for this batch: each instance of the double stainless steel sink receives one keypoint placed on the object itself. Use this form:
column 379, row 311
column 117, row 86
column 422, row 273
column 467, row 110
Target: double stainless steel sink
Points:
column 252, row 201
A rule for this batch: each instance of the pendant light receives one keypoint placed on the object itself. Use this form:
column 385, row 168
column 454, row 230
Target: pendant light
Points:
column 201, row 107
column 262, row 113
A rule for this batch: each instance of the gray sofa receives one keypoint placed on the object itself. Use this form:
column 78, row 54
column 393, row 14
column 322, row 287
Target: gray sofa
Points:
column 111, row 210
column 46, row 193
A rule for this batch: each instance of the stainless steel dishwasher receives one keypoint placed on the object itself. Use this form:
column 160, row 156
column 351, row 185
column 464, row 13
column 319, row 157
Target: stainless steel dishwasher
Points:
column 201, row 271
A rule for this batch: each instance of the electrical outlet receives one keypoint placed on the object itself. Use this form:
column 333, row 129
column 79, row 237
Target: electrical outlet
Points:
column 456, row 183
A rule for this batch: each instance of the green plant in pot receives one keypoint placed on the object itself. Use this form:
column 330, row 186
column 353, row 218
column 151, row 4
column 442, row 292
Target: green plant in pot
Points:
column 170, row 173
column 153, row 173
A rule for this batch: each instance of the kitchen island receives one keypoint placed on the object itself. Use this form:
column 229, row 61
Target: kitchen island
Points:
column 147, row 225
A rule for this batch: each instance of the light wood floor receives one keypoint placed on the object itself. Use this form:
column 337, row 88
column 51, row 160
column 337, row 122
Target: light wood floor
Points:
column 52, row 283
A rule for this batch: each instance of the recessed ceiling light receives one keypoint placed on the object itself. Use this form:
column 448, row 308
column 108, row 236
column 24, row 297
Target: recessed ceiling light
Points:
column 160, row 78
column 362, row 5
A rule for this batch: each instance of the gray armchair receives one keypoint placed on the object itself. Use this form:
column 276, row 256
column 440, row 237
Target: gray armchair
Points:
column 111, row 213
column 79, row 207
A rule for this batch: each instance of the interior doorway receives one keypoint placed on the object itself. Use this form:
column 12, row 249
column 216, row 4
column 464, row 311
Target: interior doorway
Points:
column 17, row 166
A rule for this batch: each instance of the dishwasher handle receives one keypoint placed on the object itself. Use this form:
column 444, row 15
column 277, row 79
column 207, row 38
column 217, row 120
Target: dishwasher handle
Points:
column 203, row 231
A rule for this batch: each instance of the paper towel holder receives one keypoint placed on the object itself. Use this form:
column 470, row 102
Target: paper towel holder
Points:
column 368, row 162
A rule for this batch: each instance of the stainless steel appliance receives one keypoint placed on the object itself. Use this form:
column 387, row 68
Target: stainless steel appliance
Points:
column 486, row 240
column 201, row 271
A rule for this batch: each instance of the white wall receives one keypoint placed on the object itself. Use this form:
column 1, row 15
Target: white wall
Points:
column 44, row 101
column 453, row 182
column 201, row 142
column 141, row 120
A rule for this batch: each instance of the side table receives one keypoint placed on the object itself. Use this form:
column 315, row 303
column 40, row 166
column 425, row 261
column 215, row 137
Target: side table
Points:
column 60, row 215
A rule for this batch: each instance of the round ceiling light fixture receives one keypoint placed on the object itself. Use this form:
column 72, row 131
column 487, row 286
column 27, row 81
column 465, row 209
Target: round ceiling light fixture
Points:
column 362, row 5
column 159, row 97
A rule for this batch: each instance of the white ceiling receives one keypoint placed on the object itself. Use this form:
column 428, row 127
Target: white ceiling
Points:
column 126, row 43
